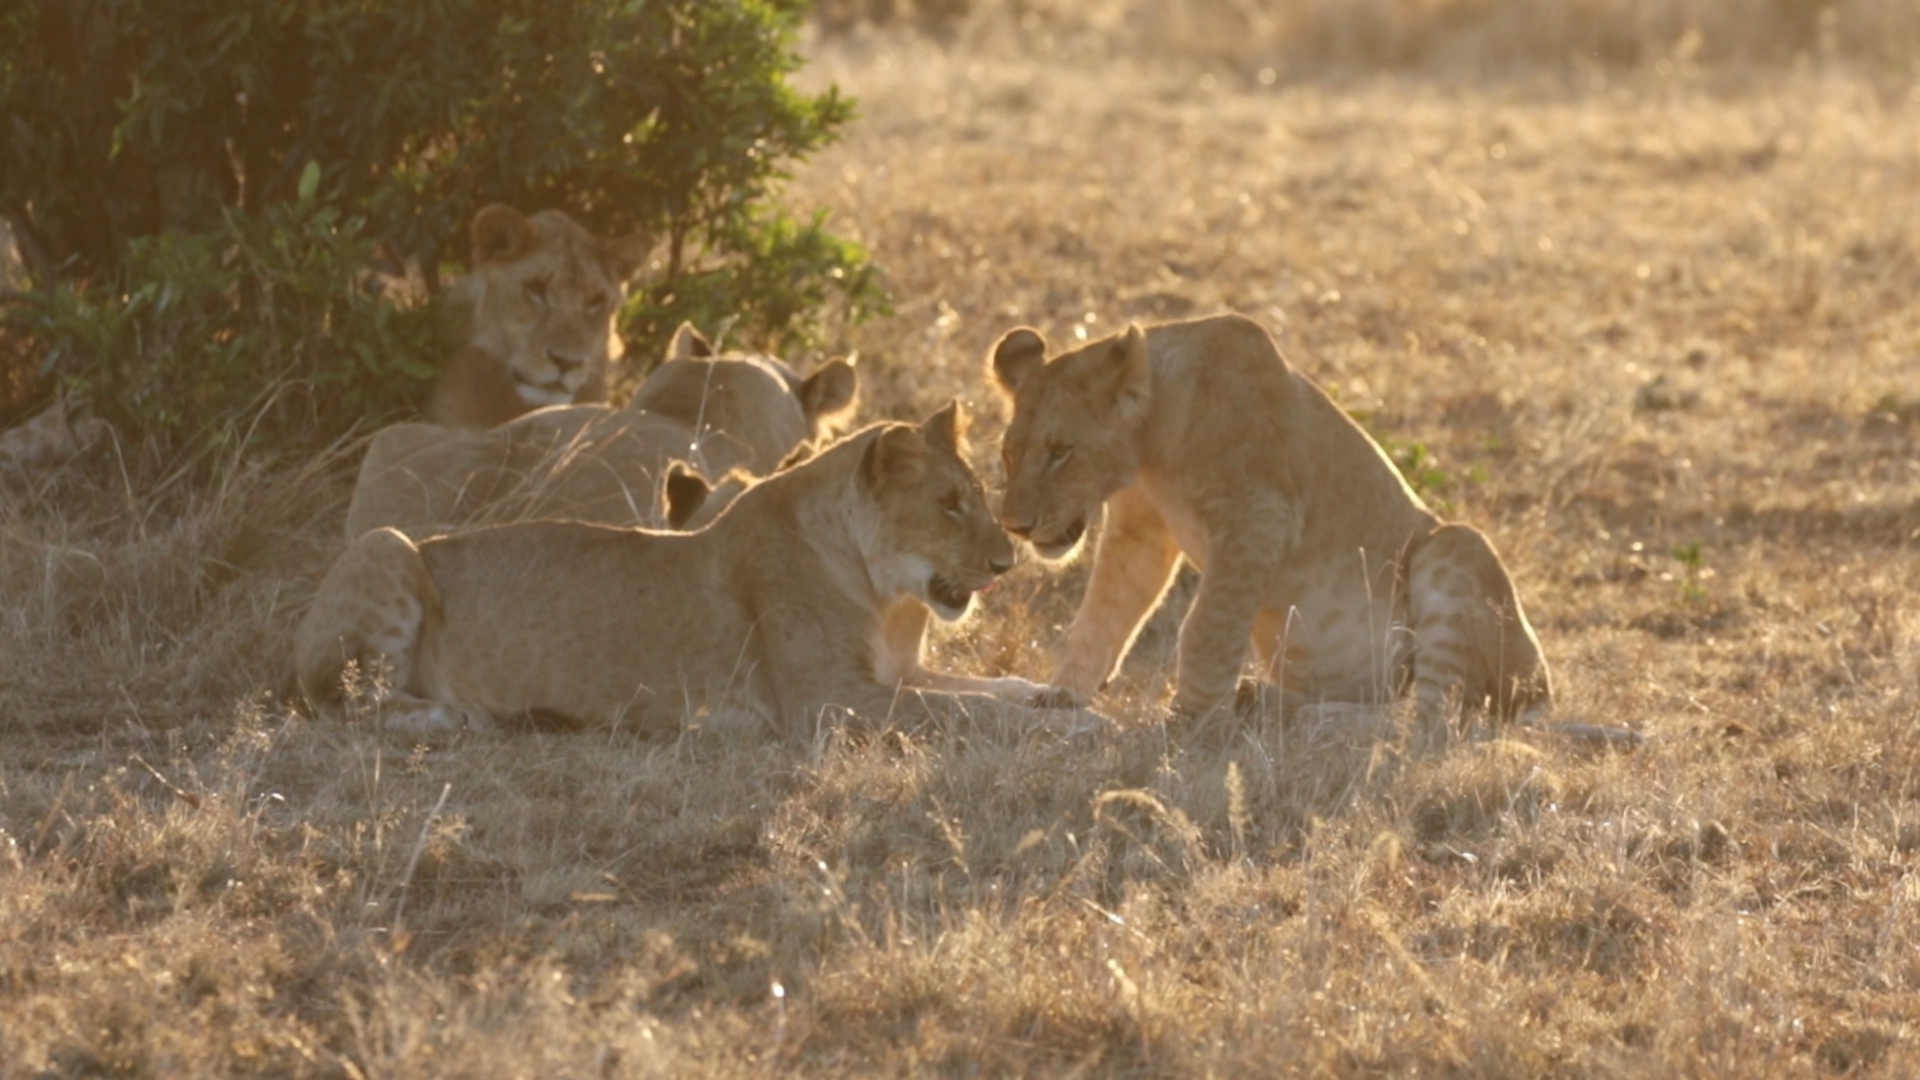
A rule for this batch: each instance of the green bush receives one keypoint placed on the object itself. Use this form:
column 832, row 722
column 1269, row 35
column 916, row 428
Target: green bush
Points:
column 201, row 186
column 264, row 323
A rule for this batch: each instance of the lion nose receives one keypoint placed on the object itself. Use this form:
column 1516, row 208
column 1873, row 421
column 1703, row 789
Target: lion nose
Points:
column 1000, row 564
column 1021, row 529
column 563, row 362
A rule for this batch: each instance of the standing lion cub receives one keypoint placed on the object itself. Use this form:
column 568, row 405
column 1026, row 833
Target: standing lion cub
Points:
column 1200, row 440
column 807, row 595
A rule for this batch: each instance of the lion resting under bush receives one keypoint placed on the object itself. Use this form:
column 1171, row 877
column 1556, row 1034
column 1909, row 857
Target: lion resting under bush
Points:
column 716, row 412
column 1199, row 439
column 805, row 599
column 537, row 315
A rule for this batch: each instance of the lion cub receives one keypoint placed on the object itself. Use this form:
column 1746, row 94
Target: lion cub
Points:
column 717, row 412
column 1200, row 440
column 808, row 594
column 537, row 316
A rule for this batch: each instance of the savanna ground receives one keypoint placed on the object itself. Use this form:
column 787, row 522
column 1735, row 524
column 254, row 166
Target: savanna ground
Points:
column 1652, row 322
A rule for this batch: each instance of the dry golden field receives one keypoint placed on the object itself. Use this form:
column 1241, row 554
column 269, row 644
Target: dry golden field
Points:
column 1655, row 328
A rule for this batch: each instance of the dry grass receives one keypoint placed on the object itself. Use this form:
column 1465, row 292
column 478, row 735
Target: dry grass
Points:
column 1658, row 333
column 1314, row 38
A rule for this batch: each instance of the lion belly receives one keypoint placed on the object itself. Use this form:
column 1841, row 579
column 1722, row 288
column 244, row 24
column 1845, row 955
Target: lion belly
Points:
column 519, row 633
column 1343, row 651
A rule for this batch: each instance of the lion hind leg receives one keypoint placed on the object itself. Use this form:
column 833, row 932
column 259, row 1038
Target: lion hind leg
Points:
column 430, row 721
column 360, row 637
column 1474, row 648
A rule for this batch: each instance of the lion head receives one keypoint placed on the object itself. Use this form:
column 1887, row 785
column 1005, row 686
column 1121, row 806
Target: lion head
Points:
column 1071, row 442
column 541, row 303
column 931, row 534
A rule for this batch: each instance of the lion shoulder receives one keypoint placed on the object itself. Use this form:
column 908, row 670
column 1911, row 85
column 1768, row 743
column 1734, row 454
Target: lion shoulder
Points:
column 1256, row 434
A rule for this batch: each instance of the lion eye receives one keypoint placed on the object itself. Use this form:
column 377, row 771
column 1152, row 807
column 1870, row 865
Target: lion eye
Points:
column 950, row 503
column 536, row 291
column 1057, row 454
column 596, row 303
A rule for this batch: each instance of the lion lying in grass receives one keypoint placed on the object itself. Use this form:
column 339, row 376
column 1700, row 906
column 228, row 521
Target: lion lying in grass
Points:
column 805, row 599
column 1200, row 440
column 717, row 412
column 537, row 317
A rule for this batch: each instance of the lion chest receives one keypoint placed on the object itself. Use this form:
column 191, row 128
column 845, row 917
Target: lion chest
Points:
column 1181, row 517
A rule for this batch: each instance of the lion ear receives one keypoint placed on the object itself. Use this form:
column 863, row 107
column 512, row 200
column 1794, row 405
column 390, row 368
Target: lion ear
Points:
column 946, row 429
column 625, row 256
column 1129, row 378
column 501, row 234
column 689, row 344
column 686, row 492
column 830, row 392
column 895, row 456
column 1018, row 354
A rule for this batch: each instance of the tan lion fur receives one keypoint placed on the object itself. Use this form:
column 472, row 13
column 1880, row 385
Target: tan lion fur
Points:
column 1200, row 440
column 717, row 412
column 536, row 317
column 53, row 436
column 805, row 599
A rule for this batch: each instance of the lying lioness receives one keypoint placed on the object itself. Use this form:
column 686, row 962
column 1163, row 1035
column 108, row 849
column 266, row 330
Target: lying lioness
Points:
column 806, row 598
column 717, row 412
column 535, row 317
column 1199, row 439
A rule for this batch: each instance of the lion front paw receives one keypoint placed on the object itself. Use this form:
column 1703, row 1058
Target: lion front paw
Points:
column 1058, row 697
column 1249, row 698
column 1208, row 725
column 435, row 723
column 1013, row 689
column 1084, row 724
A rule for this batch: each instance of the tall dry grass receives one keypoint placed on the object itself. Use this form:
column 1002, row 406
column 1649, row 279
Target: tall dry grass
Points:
column 1656, row 332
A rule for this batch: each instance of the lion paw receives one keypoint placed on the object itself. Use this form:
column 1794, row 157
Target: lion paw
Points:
column 1057, row 697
